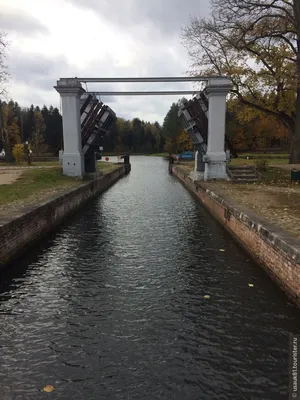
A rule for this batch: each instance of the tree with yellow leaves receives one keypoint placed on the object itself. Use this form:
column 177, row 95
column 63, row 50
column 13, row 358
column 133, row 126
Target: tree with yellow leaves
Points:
column 18, row 152
column 256, row 43
column 9, row 128
column 252, row 129
column 184, row 142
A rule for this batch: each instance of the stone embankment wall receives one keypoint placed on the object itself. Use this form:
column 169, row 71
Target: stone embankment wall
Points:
column 17, row 234
column 274, row 249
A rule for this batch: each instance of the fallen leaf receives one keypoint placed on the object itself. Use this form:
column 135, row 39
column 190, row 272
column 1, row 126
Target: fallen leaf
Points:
column 48, row 389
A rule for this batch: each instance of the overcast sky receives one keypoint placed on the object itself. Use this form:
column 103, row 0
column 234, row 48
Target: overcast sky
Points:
column 97, row 38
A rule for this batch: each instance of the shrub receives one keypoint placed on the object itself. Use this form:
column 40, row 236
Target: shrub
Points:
column 18, row 152
column 261, row 165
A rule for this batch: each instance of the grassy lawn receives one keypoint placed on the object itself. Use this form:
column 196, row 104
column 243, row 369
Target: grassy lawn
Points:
column 36, row 184
column 33, row 164
column 277, row 176
column 275, row 198
column 158, row 155
column 264, row 155
column 236, row 162
column 272, row 176
column 107, row 167
column 34, row 181
column 272, row 160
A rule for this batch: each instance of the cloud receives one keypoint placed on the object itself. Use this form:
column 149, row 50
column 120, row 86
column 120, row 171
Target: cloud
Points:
column 166, row 16
column 34, row 75
column 16, row 21
column 37, row 70
column 132, row 38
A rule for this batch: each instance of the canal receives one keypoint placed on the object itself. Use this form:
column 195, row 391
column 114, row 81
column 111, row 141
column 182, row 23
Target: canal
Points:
column 113, row 305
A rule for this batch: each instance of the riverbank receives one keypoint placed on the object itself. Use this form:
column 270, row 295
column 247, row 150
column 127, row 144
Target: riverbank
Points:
column 26, row 220
column 272, row 247
column 23, row 186
column 275, row 198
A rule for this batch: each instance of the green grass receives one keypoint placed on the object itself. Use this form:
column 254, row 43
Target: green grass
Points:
column 158, row 155
column 273, row 161
column 107, row 167
column 33, row 181
column 33, row 164
column 272, row 175
column 268, row 155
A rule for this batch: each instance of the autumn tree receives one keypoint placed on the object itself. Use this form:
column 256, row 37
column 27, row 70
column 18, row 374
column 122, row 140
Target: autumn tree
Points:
column 9, row 132
column 257, row 44
column 250, row 129
column 37, row 140
column 184, row 141
column 171, row 146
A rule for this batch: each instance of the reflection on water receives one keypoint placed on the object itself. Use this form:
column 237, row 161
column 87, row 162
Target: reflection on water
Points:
column 112, row 306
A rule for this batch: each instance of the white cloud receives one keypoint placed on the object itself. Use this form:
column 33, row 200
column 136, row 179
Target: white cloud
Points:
column 57, row 38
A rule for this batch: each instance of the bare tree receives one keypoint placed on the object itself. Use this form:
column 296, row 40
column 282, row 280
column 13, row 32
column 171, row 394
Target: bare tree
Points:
column 4, row 75
column 256, row 43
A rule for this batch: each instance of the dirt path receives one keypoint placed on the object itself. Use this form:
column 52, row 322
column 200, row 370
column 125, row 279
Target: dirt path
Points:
column 9, row 176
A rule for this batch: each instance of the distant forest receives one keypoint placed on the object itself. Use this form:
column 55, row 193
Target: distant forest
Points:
column 42, row 128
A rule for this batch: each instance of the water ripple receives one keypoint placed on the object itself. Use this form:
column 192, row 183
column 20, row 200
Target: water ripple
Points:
column 113, row 305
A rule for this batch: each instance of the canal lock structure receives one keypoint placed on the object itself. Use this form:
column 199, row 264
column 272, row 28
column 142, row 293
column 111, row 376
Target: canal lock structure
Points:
column 142, row 295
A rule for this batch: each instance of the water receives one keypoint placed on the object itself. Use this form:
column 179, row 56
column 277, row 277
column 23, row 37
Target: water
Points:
column 112, row 306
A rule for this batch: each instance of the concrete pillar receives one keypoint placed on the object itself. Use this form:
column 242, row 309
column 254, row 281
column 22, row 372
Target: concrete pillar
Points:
column 70, row 91
column 198, row 173
column 215, row 158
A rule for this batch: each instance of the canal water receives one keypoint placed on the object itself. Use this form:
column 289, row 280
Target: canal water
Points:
column 113, row 305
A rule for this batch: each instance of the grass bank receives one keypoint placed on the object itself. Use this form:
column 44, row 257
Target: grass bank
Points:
column 33, row 164
column 270, row 160
column 107, row 167
column 34, row 181
column 275, row 198
column 35, row 185
column 158, row 155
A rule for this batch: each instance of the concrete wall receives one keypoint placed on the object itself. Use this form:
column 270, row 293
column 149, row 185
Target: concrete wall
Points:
column 274, row 249
column 17, row 234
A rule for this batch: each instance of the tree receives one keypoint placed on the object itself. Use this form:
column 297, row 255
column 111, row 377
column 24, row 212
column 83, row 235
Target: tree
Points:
column 18, row 152
column 250, row 129
column 171, row 146
column 257, row 44
column 171, row 125
column 184, row 142
column 9, row 132
column 37, row 140
column 3, row 68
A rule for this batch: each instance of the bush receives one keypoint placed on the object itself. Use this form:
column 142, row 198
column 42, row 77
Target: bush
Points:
column 261, row 165
column 18, row 152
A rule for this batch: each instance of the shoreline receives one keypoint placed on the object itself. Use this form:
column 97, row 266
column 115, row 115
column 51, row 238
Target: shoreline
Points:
column 277, row 251
column 20, row 232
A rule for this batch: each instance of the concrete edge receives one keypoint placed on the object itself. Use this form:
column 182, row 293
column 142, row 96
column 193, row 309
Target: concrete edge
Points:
column 5, row 221
column 273, row 234
column 276, row 251
column 23, row 224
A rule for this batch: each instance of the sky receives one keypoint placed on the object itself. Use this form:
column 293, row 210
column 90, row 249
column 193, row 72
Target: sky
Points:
column 49, row 40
